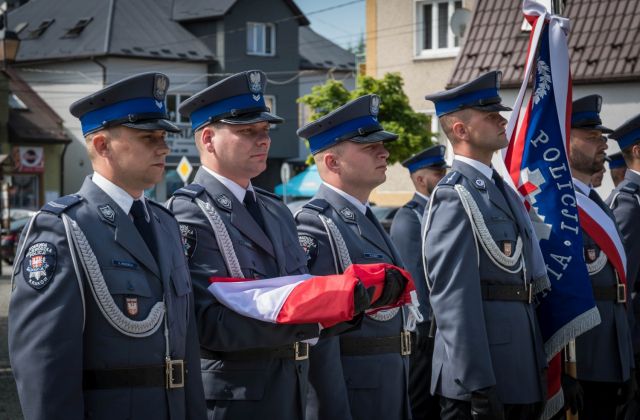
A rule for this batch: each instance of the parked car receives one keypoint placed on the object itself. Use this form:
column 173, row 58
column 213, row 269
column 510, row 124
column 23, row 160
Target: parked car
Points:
column 9, row 238
column 385, row 215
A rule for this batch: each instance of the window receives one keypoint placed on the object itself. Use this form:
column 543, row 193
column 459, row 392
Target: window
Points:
column 434, row 36
column 173, row 103
column 270, row 102
column 261, row 38
column 37, row 33
column 77, row 28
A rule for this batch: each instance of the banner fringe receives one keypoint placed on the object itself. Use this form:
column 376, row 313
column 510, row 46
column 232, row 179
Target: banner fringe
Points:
column 554, row 405
column 578, row 325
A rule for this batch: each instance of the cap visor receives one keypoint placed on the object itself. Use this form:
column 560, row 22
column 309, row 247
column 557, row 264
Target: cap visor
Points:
column 375, row 137
column 254, row 118
column 492, row 108
column 153, row 125
column 605, row 130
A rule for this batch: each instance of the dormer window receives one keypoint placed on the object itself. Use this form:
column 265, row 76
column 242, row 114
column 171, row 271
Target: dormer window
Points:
column 78, row 28
column 44, row 25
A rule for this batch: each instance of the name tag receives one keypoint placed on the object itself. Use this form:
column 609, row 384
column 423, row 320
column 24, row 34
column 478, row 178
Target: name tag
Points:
column 373, row 256
column 125, row 264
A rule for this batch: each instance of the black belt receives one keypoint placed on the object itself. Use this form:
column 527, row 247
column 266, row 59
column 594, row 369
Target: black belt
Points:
column 295, row 351
column 365, row 346
column 617, row 293
column 517, row 292
column 170, row 375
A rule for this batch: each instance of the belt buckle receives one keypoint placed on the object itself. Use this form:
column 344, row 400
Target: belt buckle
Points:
column 301, row 350
column 173, row 380
column 405, row 343
column 621, row 293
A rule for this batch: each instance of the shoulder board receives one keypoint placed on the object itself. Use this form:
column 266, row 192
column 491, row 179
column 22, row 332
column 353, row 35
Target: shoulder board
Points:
column 450, row 179
column 160, row 206
column 411, row 204
column 630, row 188
column 267, row 193
column 60, row 205
column 191, row 191
column 318, row 205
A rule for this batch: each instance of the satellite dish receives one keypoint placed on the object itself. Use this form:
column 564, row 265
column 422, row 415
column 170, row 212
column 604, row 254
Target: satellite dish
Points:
column 459, row 21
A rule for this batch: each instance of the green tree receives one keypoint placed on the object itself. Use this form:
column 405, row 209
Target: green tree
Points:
column 396, row 115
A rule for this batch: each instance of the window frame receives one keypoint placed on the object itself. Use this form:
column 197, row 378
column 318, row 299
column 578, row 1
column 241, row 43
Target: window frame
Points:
column 272, row 109
column 421, row 53
column 262, row 51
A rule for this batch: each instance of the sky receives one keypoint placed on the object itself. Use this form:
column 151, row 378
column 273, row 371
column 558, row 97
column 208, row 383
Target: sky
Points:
column 343, row 23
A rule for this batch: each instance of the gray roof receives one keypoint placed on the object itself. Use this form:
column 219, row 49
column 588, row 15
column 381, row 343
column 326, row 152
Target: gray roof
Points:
column 318, row 53
column 188, row 10
column 140, row 28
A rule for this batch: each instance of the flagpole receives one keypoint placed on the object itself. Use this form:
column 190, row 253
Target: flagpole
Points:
column 571, row 369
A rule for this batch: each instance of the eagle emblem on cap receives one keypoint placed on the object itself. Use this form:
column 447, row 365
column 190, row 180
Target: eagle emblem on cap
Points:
column 255, row 81
column 160, row 87
column 374, row 106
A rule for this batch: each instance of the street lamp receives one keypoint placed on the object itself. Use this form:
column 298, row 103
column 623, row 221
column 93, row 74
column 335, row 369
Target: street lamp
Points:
column 9, row 43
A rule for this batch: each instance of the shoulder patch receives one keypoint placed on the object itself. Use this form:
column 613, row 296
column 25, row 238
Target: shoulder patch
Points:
column 191, row 191
column 189, row 237
column 450, row 179
column 267, row 193
column 39, row 264
column 60, row 205
column 310, row 246
column 317, row 204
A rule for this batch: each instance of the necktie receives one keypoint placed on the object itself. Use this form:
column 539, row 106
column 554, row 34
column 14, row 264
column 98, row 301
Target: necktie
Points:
column 253, row 208
column 144, row 227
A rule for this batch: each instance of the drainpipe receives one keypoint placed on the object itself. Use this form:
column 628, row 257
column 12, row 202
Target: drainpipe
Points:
column 64, row 151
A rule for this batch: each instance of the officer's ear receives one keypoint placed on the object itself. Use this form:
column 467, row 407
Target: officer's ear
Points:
column 331, row 161
column 205, row 138
column 459, row 130
column 98, row 144
column 635, row 151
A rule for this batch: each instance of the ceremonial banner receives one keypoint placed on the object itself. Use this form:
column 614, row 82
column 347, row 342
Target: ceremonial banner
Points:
column 305, row 298
column 536, row 160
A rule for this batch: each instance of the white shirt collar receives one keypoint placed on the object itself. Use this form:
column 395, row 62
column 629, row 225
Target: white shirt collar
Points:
column 351, row 199
column 235, row 188
column 484, row 169
column 426, row 197
column 122, row 198
column 584, row 188
column 634, row 171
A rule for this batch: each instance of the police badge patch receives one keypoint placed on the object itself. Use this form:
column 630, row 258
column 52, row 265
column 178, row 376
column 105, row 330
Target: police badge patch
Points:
column 107, row 213
column 310, row 246
column 374, row 107
column 40, row 264
column 189, row 239
column 160, row 87
column 480, row 183
column 224, row 202
column 348, row 214
column 255, row 81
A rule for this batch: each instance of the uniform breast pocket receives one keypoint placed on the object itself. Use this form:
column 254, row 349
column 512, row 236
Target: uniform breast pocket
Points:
column 179, row 309
column 504, row 233
column 133, row 292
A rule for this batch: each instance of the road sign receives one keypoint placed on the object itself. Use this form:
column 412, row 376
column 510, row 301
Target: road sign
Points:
column 184, row 169
column 285, row 173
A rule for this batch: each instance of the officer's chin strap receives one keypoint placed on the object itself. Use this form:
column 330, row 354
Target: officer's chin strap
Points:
column 100, row 291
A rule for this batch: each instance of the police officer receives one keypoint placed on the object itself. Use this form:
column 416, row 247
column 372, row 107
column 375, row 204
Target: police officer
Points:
column 101, row 320
column 483, row 264
column 603, row 354
column 362, row 374
column 617, row 168
column 625, row 206
column 426, row 169
column 230, row 228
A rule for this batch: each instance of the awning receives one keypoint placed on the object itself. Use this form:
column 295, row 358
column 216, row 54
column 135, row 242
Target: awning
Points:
column 305, row 184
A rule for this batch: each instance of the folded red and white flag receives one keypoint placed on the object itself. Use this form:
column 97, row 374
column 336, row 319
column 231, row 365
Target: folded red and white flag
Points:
column 305, row 298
